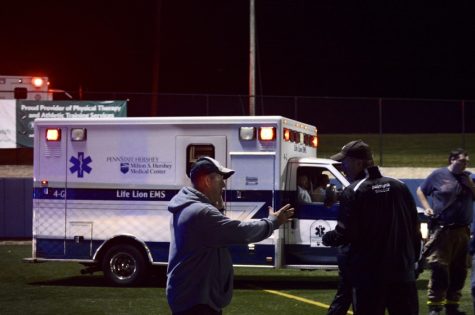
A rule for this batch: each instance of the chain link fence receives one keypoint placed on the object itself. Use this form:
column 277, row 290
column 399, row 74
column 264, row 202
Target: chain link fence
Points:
column 331, row 114
column 389, row 125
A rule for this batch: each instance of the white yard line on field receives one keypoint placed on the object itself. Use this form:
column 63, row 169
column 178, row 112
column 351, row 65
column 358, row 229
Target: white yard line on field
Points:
column 298, row 298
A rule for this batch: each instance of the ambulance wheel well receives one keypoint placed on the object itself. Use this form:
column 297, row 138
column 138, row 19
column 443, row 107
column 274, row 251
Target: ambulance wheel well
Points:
column 124, row 261
column 122, row 240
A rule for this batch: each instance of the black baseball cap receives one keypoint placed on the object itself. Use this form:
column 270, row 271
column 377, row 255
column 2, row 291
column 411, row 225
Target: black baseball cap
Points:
column 206, row 165
column 355, row 149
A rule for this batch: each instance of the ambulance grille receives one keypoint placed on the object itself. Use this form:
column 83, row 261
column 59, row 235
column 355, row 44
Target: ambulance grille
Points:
column 267, row 146
column 52, row 149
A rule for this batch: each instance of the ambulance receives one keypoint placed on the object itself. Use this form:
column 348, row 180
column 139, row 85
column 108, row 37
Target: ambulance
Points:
column 102, row 186
column 25, row 87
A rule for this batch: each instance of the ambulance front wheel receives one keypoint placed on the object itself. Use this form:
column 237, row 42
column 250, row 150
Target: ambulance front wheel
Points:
column 124, row 265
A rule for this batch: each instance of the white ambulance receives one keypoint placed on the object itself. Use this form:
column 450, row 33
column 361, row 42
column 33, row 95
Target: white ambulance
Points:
column 25, row 87
column 102, row 186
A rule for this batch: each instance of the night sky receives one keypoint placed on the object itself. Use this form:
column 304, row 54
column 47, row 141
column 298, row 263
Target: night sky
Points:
column 304, row 47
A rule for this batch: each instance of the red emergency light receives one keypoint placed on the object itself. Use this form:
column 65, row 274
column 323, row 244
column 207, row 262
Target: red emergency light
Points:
column 267, row 133
column 287, row 134
column 53, row 134
column 37, row 82
column 314, row 141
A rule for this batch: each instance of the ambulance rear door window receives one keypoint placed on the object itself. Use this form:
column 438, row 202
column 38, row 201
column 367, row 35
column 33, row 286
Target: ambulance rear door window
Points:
column 195, row 151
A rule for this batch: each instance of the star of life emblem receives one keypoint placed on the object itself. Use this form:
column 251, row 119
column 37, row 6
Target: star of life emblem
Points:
column 80, row 164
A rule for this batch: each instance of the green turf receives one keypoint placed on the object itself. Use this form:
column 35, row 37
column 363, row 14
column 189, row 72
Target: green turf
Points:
column 416, row 150
column 58, row 288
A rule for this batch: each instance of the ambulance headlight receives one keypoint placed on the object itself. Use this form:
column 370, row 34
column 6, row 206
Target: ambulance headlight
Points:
column 78, row 134
column 247, row 133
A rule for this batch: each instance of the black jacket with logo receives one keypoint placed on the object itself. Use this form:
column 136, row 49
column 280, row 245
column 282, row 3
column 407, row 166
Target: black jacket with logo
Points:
column 378, row 218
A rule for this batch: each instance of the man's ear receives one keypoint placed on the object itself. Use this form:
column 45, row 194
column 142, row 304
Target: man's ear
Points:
column 207, row 180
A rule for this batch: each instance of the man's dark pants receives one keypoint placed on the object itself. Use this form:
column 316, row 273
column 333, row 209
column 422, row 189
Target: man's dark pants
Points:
column 342, row 300
column 398, row 298
column 200, row 309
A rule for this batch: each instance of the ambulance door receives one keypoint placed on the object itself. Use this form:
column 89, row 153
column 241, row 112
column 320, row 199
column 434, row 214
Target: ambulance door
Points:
column 313, row 218
column 80, row 219
column 50, row 191
column 250, row 193
column 190, row 148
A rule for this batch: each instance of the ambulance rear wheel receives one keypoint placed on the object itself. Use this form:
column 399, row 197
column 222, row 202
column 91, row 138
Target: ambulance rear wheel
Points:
column 124, row 265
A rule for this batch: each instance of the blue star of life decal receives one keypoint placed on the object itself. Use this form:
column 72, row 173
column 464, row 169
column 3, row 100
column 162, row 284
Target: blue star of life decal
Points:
column 80, row 164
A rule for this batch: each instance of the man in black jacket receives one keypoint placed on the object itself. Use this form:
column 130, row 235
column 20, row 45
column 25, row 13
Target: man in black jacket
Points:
column 378, row 219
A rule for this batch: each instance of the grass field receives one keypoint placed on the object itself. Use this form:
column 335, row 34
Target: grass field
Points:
column 411, row 150
column 58, row 288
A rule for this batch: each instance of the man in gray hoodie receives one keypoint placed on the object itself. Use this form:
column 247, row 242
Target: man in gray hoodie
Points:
column 200, row 270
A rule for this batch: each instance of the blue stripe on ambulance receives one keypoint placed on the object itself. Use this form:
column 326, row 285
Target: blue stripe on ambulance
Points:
column 55, row 249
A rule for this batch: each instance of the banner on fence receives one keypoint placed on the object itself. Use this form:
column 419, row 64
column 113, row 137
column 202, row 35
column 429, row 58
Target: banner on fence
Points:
column 16, row 117
column 7, row 124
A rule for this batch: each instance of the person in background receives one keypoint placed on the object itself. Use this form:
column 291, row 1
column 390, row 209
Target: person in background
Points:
column 450, row 213
column 303, row 187
column 382, row 253
column 319, row 190
column 200, row 270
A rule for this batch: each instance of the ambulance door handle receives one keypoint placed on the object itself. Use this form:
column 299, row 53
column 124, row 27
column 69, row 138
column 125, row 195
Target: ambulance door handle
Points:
column 239, row 194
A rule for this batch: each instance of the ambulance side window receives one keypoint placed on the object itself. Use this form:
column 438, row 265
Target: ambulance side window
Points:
column 318, row 179
column 195, row 151
column 304, row 188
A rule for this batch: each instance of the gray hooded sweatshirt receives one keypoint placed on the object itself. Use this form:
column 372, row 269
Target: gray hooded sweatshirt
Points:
column 200, row 268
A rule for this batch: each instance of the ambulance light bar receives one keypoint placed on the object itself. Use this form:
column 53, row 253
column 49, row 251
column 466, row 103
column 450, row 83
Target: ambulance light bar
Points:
column 290, row 135
column 270, row 133
column 306, row 139
column 247, row 133
column 287, row 134
column 314, row 141
column 78, row 134
column 53, row 134
column 264, row 133
column 267, row 133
